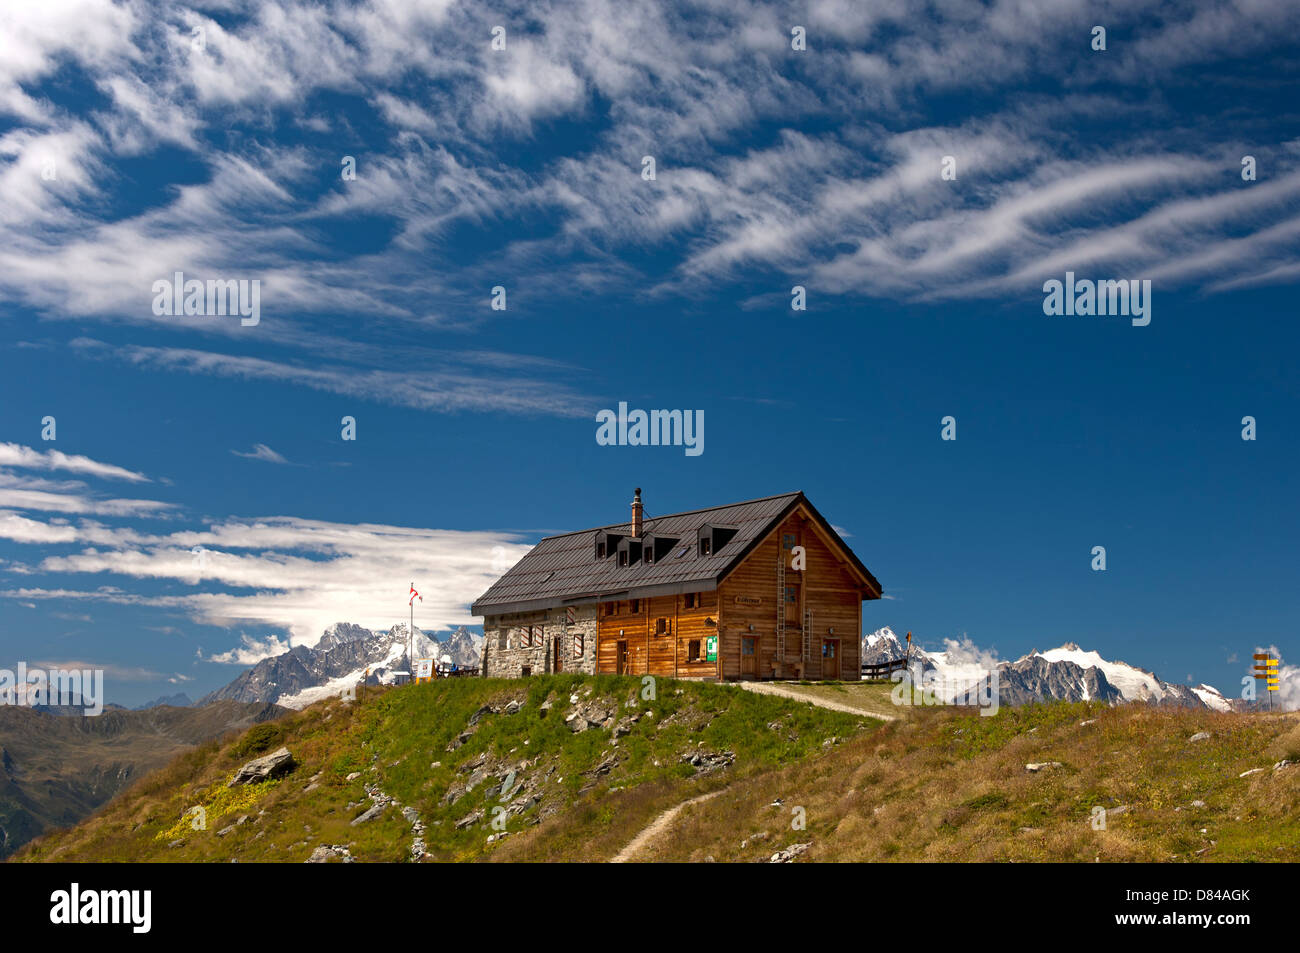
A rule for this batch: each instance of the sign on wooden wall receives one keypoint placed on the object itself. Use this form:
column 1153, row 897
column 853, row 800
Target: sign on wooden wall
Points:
column 749, row 600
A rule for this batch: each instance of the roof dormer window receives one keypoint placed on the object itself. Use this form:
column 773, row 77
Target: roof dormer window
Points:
column 656, row 548
column 629, row 552
column 606, row 543
column 713, row 538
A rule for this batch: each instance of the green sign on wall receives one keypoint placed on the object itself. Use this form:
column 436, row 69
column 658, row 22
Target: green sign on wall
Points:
column 711, row 648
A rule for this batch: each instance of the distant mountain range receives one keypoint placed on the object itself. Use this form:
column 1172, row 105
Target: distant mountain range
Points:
column 347, row 654
column 1067, row 673
column 179, row 700
column 54, row 771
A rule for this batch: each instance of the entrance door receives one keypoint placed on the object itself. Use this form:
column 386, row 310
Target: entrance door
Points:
column 830, row 658
column 621, row 669
column 748, row 655
column 558, row 664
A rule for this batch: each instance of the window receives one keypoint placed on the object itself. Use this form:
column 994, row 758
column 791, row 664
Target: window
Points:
column 600, row 549
column 747, row 645
column 622, row 557
column 787, row 540
column 661, row 626
column 535, row 635
column 635, row 607
column 526, row 671
column 609, row 608
column 693, row 651
column 706, row 546
column 691, row 600
column 791, row 594
column 649, row 555
column 503, row 641
column 579, row 643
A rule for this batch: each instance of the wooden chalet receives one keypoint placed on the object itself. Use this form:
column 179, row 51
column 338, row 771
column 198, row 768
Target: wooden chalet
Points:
column 756, row 590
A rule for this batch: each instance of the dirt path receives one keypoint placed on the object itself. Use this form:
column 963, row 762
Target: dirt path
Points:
column 768, row 688
column 660, row 825
column 657, row 828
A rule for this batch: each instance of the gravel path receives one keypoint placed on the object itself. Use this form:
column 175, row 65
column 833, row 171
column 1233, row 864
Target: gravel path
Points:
column 770, row 688
column 658, row 827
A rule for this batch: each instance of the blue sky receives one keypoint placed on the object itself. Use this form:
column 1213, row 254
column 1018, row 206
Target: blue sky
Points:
column 141, row 139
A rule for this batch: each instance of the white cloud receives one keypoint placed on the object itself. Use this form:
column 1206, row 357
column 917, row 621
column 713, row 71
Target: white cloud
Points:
column 16, row 455
column 294, row 575
column 250, row 651
column 261, row 451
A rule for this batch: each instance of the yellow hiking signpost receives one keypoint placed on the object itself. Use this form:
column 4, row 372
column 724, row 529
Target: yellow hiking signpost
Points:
column 1266, row 668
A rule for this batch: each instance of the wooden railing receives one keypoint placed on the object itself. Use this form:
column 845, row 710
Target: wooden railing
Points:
column 884, row 669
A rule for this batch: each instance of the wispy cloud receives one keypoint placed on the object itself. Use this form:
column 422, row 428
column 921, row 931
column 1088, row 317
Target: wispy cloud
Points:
column 261, row 451
column 27, row 458
column 424, row 389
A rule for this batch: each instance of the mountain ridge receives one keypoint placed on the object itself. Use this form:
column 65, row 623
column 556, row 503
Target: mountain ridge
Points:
column 1065, row 673
column 346, row 655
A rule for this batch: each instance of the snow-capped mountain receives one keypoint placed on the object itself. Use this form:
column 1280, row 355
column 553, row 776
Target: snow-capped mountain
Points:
column 1066, row 673
column 345, row 655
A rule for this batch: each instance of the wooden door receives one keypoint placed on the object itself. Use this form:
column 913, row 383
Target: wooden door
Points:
column 558, row 665
column 621, row 667
column 749, row 655
column 830, row 658
column 791, row 602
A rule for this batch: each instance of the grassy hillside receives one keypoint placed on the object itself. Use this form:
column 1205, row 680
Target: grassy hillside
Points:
column 57, row 769
column 448, row 749
column 937, row 784
column 947, row 785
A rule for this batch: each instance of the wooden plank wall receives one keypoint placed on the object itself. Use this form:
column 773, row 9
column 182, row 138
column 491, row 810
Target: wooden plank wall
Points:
column 827, row 587
column 746, row 597
column 661, row 655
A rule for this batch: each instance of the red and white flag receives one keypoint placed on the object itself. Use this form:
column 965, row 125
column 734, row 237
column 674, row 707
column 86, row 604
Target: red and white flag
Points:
column 414, row 595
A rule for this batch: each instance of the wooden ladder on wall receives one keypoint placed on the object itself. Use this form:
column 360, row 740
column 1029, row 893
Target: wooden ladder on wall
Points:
column 807, row 634
column 780, row 609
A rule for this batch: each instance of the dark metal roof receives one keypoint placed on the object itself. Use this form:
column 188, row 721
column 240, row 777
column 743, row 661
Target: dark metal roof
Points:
column 563, row 569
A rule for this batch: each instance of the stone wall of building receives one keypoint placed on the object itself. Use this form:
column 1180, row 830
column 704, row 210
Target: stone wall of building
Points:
column 524, row 642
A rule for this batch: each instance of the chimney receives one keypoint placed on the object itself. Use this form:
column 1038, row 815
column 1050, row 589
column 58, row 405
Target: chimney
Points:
column 636, row 514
